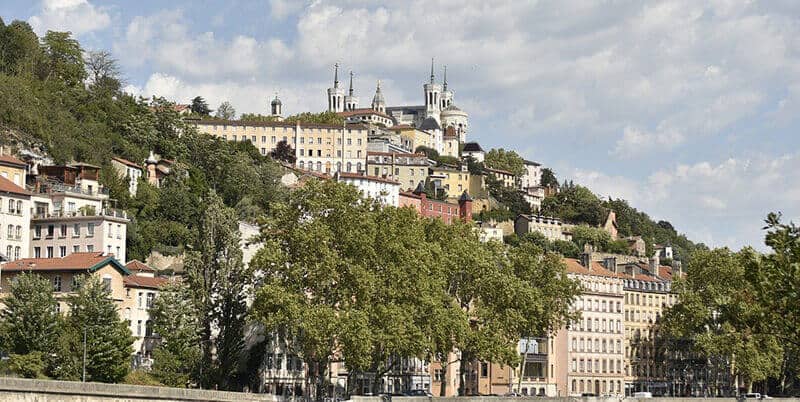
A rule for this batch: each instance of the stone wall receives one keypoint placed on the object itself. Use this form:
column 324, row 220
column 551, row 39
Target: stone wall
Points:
column 23, row 390
column 540, row 399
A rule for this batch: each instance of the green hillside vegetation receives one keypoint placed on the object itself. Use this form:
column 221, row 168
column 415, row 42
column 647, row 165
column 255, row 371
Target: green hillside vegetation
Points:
column 53, row 100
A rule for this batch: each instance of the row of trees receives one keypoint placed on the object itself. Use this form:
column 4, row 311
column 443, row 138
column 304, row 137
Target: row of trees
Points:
column 750, row 319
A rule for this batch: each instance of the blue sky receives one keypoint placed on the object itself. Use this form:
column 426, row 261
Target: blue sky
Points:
column 687, row 109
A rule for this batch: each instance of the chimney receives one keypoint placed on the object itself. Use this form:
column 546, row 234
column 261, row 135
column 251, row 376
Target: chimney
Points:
column 610, row 263
column 586, row 260
column 655, row 262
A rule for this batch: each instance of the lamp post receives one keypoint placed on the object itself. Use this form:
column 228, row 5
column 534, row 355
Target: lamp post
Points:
column 83, row 376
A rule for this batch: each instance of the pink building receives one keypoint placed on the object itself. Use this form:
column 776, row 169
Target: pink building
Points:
column 444, row 210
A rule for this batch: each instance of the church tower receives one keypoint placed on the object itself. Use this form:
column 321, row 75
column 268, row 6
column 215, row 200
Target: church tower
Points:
column 335, row 94
column 433, row 100
column 447, row 95
column 350, row 101
column 378, row 103
column 276, row 108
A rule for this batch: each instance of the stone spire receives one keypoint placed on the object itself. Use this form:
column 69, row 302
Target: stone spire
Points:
column 351, row 83
column 444, row 87
column 336, row 75
column 432, row 70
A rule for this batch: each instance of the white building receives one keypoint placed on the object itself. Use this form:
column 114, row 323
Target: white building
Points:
column 532, row 176
column 551, row 228
column 474, row 150
column 141, row 289
column 386, row 191
column 15, row 220
column 129, row 171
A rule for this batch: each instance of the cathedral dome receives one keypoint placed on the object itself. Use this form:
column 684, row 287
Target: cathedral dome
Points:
column 276, row 102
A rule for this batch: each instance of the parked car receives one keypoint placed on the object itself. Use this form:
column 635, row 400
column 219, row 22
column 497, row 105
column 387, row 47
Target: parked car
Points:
column 642, row 394
column 513, row 394
column 751, row 395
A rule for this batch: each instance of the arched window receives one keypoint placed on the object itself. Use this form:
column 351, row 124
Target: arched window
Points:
column 302, row 165
column 358, row 168
column 319, row 166
column 349, row 167
column 19, row 207
column 338, row 166
column 574, row 386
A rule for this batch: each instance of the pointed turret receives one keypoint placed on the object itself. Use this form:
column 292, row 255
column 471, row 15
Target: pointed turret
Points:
column 351, row 83
column 433, row 101
column 378, row 103
column 432, row 77
column 350, row 101
column 335, row 94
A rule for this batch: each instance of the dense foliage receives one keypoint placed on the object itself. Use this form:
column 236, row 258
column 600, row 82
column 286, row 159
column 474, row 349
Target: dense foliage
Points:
column 505, row 160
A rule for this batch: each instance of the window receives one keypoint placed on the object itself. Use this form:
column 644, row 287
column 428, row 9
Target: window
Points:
column 107, row 283
column 76, row 249
column 76, row 230
column 437, row 375
column 484, row 369
column 57, row 283
column 62, row 251
column 148, row 328
column 37, row 252
column 89, row 230
column 89, row 248
column 10, row 232
column 139, row 328
column 10, row 206
column 49, row 251
column 37, row 232
column 150, row 297
column 9, row 250
column 140, row 299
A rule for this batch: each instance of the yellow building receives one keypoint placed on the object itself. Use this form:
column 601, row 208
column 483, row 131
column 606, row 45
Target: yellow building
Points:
column 507, row 178
column 318, row 147
column 456, row 181
column 406, row 168
column 13, row 169
column 450, row 146
column 411, row 138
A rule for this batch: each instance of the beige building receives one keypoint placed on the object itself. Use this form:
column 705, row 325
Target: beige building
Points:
column 450, row 144
column 318, row 147
column 406, row 168
column 457, row 180
column 13, row 169
column 15, row 221
column 589, row 352
column 63, row 272
column 551, row 228
column 507, row 178
column 141, row 290
column 412, row 138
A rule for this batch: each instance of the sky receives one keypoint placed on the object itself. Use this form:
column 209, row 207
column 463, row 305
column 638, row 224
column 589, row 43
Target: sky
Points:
column 687, row 109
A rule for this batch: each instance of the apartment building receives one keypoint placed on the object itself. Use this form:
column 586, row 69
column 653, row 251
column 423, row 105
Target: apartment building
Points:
column 506, row 178
column 141, row 289
column 318, row 147
column 590, row 352
column 15, row 220
column 406, row 168
column 13, row 169
column 412, row 138
column 71, row 214
column 444, row 210
column 385, row 191
column 457, row 180
column 63, row 273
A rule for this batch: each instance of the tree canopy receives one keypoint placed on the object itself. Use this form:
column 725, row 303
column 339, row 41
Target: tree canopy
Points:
column 499, row 158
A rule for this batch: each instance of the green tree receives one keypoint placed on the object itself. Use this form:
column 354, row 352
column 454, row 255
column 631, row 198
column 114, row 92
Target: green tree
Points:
column 200, row 106
column 177, row 357
column 226, row 111
column 505, row 160
column 330, row 118
column 549, row 179
column 64, row 58
column 575, row 204
column 219, row 279
column 509, row 197
column 283, row 152
column 104, row 71
column 19, row 48
column 108, row 338
column 29, row 323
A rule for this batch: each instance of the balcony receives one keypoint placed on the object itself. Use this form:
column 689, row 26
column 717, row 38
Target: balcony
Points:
column 105, row 212
column 55, row 187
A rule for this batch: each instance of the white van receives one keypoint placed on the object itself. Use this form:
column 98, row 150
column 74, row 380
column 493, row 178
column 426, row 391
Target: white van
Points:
column 642, row 394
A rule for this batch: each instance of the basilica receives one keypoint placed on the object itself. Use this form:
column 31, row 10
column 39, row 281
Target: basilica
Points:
column 438, row 115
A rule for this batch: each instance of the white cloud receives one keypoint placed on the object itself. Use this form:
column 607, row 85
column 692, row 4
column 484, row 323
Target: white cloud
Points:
column 635, row 142
column 76, row 16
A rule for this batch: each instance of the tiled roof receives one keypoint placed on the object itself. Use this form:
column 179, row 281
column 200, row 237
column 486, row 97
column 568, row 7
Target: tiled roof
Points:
column 472, row 147
column 362, row 111
column 10, row 160
column 574, row 267
column 368, row 178
column 127, row 162
column 527, row 162
column 8, row 186
column 136, row 281
column 72, row 262
column 136, row 265
column 430, row 124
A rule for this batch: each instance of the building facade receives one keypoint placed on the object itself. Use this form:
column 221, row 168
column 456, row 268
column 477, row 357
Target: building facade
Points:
column 590, row 352
column 141, row 289
column 406, row 168
column 318, row 147
column 444, row 210
column 385, row 191
column 15, row 221
column 129, row 171
column 551, row 228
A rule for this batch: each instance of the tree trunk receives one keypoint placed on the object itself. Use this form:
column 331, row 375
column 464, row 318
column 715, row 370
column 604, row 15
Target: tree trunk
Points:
column 465, row 360
column 443, row 386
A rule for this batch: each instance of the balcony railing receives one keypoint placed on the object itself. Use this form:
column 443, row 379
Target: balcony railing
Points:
column 49, row 187
column 104, row 212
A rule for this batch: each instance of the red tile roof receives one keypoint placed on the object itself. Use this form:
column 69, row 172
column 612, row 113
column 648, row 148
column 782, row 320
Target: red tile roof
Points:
column 10, row 160
column 136, row 281
column 401, row 127
column 126, row 162
column 574, row 267
column 8, row 186
column 138, row 266
column 72, row 262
